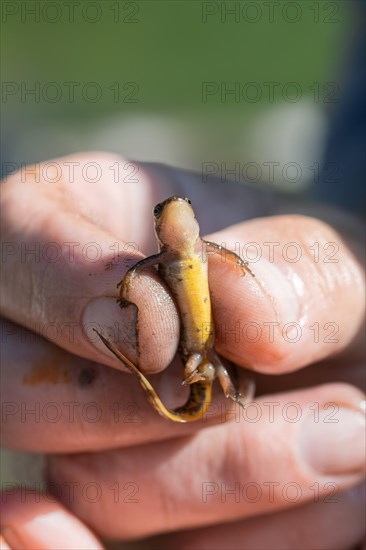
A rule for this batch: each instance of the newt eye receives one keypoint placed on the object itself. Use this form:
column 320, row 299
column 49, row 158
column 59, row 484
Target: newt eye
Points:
column 157, row 210
column 187, row 200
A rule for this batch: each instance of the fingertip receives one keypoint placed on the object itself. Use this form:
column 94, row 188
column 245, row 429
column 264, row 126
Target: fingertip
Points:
column 147, row 331
column 35, row 520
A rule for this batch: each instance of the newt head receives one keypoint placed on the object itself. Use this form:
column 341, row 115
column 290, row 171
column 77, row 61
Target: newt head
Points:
column 175, row 224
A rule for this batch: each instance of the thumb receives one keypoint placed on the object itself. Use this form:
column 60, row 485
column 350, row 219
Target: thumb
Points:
column 61, row 269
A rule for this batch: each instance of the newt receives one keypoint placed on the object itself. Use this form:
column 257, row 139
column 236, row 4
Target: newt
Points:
column 182, row 262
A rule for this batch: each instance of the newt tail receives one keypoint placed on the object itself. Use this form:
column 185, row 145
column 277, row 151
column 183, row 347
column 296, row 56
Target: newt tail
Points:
column 198, row 401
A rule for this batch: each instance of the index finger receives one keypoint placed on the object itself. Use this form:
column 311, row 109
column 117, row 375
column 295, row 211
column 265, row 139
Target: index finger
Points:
column 305, row 303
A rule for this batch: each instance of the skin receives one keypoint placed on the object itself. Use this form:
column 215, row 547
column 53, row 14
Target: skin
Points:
column 183, row 264
column 139, row 446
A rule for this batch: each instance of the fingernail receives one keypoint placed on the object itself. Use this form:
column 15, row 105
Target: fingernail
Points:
column 3, row 544
column 53, row 529
column 333, row 442
column 11, row 538
column 115, row 323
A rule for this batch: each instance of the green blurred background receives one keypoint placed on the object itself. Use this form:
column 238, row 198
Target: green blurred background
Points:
column 139, row 68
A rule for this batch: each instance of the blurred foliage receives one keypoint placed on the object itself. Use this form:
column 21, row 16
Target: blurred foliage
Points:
column 168, row 52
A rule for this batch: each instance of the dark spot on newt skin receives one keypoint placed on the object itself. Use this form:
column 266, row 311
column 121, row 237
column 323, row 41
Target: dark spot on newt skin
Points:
column 123, row 303
column 198, row 391
column 87, row 376
column 205, row 299
column 198, row 329
column 190, row 266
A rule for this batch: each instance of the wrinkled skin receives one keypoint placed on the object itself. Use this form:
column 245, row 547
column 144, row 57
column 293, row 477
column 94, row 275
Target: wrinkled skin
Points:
column 181, row 478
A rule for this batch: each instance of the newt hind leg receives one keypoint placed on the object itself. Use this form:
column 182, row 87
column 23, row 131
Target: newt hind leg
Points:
column 241, row 394
column 198, row 368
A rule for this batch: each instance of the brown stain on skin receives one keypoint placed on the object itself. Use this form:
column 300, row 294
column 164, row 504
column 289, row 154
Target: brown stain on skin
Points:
column 48, row 370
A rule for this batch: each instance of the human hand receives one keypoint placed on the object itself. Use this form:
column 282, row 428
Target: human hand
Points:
column 178, row 479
